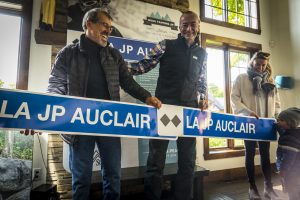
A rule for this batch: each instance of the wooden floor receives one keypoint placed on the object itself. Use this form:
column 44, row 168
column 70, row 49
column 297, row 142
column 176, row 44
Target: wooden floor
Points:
column 233, row 190
column 238, row 190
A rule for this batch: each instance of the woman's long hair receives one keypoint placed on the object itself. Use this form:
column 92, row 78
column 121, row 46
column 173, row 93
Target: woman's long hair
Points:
column 265, row 56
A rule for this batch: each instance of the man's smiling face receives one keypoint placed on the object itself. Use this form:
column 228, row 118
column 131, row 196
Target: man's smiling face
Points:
column 189, row 26
column 99, row 31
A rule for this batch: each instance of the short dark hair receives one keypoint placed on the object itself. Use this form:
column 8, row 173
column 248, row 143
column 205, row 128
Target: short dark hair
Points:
column 92, row 16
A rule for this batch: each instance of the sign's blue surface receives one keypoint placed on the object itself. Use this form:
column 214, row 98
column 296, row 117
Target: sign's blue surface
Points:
column 54, row 113
column 21, row 110
column 207, row 124
column 131, row 49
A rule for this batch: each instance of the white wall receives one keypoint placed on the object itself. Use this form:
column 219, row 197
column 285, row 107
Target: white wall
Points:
column 285, row 60
column 286, row 49
column 39, row 69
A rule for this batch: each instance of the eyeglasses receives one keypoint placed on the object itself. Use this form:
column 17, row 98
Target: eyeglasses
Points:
column 89, row 3
column 110, row 28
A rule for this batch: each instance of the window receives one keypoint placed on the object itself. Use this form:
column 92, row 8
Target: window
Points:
column 229, row 58
column 9, row 50
column 15, row 22
column 237, row 14
column 15, row 149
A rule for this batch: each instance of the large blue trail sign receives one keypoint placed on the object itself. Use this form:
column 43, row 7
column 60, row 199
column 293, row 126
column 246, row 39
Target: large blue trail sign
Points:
column 76, row 115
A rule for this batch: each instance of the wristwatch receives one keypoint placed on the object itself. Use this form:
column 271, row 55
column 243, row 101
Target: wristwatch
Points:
column 202, row 97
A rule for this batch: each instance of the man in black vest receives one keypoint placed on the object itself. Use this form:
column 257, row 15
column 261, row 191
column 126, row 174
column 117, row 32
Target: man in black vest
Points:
column 181, row 81
column 91, row 68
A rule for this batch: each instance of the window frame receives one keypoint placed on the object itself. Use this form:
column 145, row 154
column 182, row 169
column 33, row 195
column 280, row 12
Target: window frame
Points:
column 25, row 37
column 230, row 25
column 226, row 44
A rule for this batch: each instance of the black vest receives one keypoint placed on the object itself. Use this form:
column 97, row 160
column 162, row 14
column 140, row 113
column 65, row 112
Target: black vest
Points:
column 179, row 72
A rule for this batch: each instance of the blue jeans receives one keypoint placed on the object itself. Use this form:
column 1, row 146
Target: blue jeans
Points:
column 156, row 163
column 81, row 164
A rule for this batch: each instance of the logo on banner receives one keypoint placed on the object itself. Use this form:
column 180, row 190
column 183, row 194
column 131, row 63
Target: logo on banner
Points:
column 166, row 120
column 162, row 21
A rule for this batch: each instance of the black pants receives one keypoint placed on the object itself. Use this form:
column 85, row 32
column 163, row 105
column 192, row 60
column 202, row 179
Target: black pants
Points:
column 186, row 148
column 264, row 150
column 156, row 162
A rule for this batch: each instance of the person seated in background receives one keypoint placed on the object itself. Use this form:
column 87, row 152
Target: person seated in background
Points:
column 288, row 152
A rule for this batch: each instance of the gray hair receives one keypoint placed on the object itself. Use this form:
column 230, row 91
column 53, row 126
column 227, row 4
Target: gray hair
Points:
column 189, row 12
column 92, row 16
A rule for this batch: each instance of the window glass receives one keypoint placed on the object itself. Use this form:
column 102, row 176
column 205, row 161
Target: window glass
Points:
column 15, row 149
column 238, row 65
column 9, row 50
column 238, row 61
column 242, row 13
column 216, row 88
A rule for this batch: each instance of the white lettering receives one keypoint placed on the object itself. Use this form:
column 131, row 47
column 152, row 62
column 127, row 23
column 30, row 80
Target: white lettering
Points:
column 3, row 109
column 145, row 119
column 252, row 128
column 116, row 123
column 230, row 126
column 140, row 51
column 57, row 112
column 23, row 110
column 137, row 118
column 129, row 120
column 129, row 49
column 88, row 117
column 47, row 113
column 188, row 122
column 106, row 123
column 196, row 124
column 78, row 116
column 218, row 126
column 123, row 49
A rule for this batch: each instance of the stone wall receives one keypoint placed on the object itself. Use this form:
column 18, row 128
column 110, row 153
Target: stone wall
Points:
column 56, row 173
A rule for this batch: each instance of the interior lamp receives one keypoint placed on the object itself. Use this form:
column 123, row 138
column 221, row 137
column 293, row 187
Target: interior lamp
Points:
column 284, row 82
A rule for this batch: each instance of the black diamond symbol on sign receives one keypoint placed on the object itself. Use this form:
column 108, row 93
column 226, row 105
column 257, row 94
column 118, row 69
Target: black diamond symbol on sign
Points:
column 176, row 121
column 165, row 120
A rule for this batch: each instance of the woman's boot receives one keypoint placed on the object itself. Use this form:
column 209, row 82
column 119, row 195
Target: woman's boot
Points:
column 269, row 193
column 253, row 193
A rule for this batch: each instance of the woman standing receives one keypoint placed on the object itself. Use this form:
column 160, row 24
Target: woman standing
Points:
column 254, row 94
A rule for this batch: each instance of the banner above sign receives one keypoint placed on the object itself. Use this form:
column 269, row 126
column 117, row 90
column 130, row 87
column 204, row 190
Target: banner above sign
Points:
column 75, row 115
column 131, row 49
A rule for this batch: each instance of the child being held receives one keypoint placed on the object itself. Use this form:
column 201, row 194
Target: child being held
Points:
column 288, row 152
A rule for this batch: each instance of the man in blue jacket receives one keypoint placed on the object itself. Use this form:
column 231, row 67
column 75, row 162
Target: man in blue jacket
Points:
column 181, row 81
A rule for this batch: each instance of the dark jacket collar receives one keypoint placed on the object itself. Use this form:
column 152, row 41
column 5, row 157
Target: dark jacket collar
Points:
column 82, row 44
column 196, row 42
column 293, row 131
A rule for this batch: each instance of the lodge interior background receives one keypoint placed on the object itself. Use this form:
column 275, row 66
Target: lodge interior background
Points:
column 277, row 32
